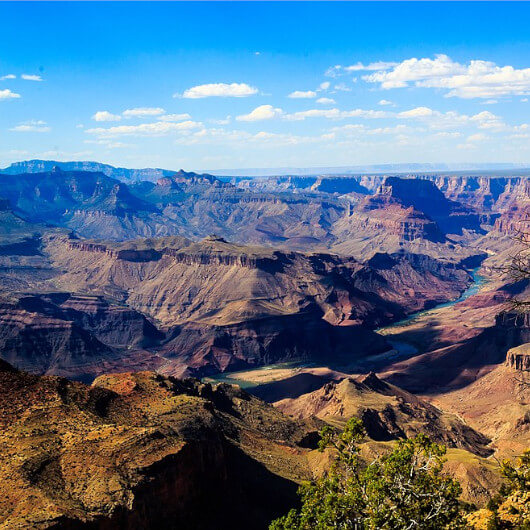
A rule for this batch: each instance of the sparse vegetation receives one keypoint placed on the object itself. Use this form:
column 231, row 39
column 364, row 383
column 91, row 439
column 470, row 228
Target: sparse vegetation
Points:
column 404, row 489
column 510, row 509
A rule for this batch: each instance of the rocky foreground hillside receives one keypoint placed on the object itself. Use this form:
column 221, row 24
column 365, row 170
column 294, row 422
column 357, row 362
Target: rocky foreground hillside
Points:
column 138, row 450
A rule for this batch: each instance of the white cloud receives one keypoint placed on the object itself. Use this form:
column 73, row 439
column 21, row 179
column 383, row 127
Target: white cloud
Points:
column 238, row 138
column 175, row 117
column 445, row 134
column 31, row 126
column 339, row 69
column 8, row 76
column 7, row 94
column 263, row 112
column 30, row 77
column 300, row 94
column 326, row 101
column 103, row 115
column 418, row 112
column 62, row 155
column 389, row 130
column 335, row 114
column 109, row 144
column 385, row 102
column 324, row 86
column 342, row 87
column 479, row 137
column 224, row 121
column 142, row 112
column 235, row 90
column 159, row 128
column 477, row 79
column 452, row 120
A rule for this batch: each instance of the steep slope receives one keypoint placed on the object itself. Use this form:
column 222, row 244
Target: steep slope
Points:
column 498, row 403
column 405, row 214
column 182, row 203
column 484, row 193
column 74, row 336
column 138, row 450
column 225, row 305
column 388, row 413
column 457, row 363
column 514, row 220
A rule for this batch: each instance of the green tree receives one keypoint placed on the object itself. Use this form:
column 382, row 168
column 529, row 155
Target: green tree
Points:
column 404, row 489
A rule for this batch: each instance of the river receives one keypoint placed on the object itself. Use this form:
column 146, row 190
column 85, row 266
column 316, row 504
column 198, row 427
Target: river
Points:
column 477, row 284
column 400, row 349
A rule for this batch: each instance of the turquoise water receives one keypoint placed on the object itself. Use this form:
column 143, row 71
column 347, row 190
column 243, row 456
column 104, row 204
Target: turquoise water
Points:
column 404, row 349
column 477, row 284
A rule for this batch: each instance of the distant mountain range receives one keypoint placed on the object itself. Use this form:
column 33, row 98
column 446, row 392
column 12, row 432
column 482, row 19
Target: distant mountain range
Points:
column 120, row 173
column 152, row 174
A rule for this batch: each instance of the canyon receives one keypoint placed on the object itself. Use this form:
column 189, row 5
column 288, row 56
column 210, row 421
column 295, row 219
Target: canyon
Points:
column 189, row 325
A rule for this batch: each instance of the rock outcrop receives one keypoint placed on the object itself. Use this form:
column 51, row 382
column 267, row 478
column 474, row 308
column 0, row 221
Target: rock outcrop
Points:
column 518, row 358
column 143, row 451
column 514, row 221
column 387, row 412
column 74, row 336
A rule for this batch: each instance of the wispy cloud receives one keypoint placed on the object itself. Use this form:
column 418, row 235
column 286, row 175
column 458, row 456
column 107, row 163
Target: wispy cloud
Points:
column 326, row 101
column 335, row 114
column 159, row 128
column 108, row 144
column 234, row 90
column 8, row 76
column 302, row 94
column 31, row 77
column 32, row 126
column 142, row 112
column 339, row 69
column 174, row 117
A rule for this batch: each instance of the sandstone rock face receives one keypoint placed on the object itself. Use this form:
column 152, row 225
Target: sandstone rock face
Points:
column 74, row 336
column 481, row 192
column 484, row 193
column 456, row 363
column 515, row 220
column 383, row 213
column 406, row 214
column 309, row 215
column 518, row 358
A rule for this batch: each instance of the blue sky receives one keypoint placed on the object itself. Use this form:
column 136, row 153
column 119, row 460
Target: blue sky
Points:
column 215, row 85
